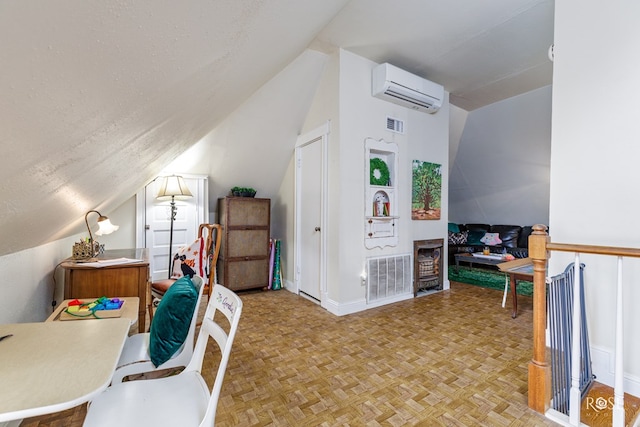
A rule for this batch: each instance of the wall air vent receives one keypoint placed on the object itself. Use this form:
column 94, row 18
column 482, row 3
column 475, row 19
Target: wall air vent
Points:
column 388, row 277
column 395, row 125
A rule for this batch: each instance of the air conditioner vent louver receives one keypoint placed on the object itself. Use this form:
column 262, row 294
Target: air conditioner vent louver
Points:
column 418, row 102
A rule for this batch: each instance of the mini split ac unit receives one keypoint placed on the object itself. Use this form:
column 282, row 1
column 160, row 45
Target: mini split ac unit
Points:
column 401, row 87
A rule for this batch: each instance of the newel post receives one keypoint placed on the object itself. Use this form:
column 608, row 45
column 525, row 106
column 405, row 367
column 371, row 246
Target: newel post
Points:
column 539, row 368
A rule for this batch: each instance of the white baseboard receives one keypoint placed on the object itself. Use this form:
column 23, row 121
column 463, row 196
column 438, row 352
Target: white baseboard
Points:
column 361, row 305
column 603, row 364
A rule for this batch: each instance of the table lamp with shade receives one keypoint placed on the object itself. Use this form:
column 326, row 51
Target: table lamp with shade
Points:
column 89, row 249
column 171, row 188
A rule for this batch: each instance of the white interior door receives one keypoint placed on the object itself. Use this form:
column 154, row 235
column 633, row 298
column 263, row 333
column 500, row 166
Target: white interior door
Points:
column 310, row 163
column 156, row 225
column 310, row 215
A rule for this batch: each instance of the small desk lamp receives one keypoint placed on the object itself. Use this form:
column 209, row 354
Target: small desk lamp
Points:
column 173, row 187
column 86, row 250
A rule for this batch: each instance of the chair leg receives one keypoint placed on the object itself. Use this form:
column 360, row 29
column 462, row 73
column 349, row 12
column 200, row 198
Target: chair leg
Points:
column 150, row 312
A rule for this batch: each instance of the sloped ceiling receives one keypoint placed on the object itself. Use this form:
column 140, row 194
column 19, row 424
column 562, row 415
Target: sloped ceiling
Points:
column 482, row 52
column 97, row 96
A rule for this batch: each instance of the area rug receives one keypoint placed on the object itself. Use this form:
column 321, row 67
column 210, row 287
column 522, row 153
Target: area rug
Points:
column 486, row 278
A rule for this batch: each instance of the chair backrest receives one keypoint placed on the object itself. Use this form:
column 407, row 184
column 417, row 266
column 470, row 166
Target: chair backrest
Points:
column 212, row 234
column 228, row 303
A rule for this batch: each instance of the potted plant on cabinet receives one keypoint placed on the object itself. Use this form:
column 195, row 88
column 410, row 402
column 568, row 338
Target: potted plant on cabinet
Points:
column 243, row 192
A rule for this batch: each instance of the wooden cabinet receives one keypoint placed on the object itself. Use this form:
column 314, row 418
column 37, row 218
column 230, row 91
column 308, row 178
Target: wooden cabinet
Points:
column 243, row 262
column 120, row 280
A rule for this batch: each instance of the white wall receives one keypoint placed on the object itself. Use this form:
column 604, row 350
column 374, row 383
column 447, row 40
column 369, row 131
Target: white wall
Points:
column 500, row 174
column 358, row 116
column 28, row 286
column 457, row 121
column 594, row 159
column 27, row 289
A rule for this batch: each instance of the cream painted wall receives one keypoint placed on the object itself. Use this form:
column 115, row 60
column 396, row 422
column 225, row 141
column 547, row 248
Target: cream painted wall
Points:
column 27, row 289
column 125, row 218
column 29, row 286
column 457, row 120
column 324, row 107
column 426, row 138
column 594, row 158
column 355, row 117
column 500, row 174
column 282, row 223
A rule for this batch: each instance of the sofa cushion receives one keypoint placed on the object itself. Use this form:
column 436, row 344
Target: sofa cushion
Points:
column 453, row 227
column 508, row 234
column 485, row 228
column 474, row 236
column 523, row 240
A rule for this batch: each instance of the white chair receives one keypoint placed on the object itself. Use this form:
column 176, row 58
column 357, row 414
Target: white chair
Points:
column 135, row 357
column 180, row 400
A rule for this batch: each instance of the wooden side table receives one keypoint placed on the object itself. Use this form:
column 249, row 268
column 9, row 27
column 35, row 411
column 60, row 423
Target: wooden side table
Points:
column 518, row 269
column 122, row 280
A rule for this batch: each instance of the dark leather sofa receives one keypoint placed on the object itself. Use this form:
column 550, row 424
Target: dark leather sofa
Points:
column 515, row 239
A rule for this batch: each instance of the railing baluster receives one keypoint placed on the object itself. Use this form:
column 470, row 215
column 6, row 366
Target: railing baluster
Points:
column 618, row 387
column 539, row 376
column 575, row 395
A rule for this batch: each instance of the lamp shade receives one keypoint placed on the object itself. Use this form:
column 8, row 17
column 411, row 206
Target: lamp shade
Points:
column 105, row 226
column 173, row 186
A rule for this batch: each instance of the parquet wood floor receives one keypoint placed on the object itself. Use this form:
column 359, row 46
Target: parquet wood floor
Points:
column 454, row 358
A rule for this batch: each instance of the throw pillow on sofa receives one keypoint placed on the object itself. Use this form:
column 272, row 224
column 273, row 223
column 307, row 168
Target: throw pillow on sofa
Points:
column 491, row 239
column 458, row 238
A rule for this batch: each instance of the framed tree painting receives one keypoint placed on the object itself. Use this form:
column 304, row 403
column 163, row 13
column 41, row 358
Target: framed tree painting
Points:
column 426, row 192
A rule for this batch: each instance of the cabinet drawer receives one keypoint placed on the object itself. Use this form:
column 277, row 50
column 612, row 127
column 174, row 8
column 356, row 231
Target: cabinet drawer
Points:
column 247, row 274
column 247, row 212
column 247, row 243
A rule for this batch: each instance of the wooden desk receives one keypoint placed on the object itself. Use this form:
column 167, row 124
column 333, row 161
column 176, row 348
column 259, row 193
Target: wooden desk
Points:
column 123, row 280
column 518, row 269
column 48, row 367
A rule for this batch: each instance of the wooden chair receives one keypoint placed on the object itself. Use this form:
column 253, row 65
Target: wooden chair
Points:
column 179, row 400
column 212, row 233
column 135, row 358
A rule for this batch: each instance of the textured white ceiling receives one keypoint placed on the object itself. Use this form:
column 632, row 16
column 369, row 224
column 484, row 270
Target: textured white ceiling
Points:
column 97, row 96
column 482, row 52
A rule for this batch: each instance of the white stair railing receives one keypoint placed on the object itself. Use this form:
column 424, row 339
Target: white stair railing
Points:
column 539, row 249
column 618, row 389
column 575, row 396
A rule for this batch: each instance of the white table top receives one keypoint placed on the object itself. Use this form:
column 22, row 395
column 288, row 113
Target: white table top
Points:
column 52, row 366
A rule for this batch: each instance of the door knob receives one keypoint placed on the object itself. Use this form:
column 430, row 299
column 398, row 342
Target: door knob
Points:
column 317, row 229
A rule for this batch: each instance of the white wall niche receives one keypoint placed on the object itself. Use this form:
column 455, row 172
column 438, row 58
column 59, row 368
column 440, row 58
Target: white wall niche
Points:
column 381, row 204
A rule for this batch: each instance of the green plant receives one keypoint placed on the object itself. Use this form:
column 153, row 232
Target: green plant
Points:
column 379, row 172
column 243, row 192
